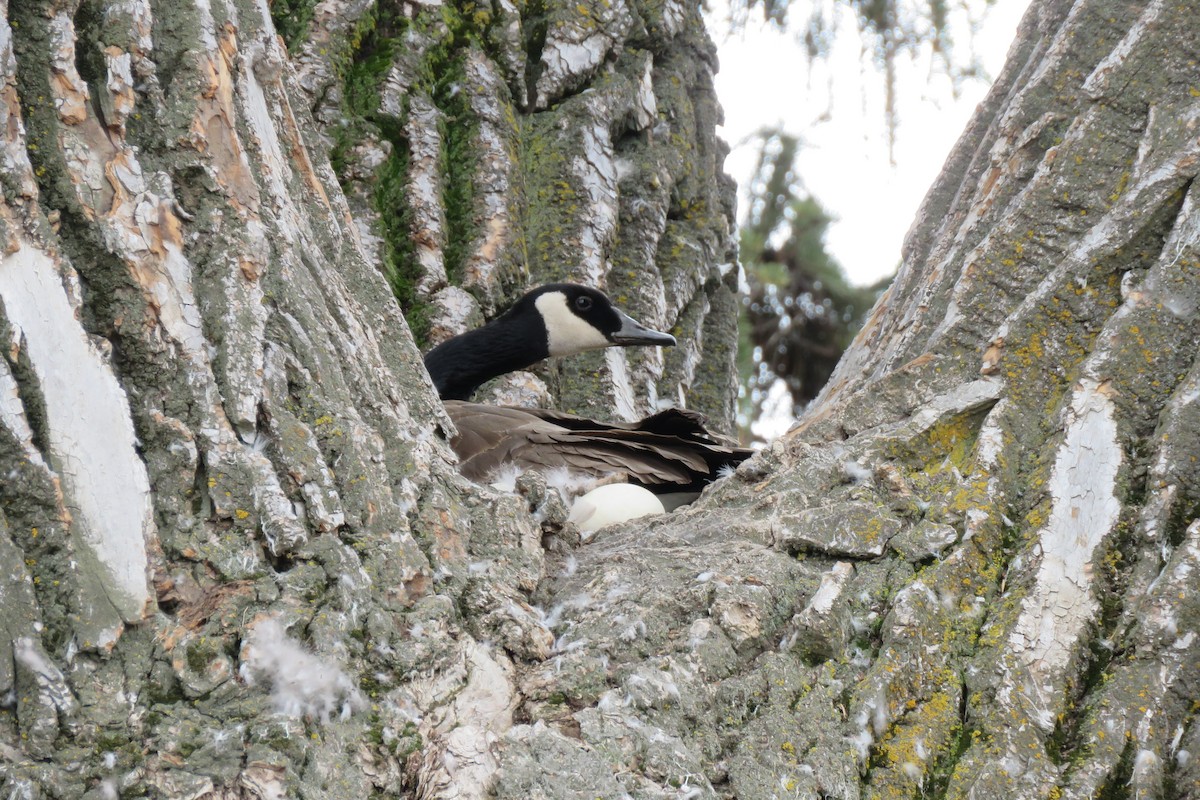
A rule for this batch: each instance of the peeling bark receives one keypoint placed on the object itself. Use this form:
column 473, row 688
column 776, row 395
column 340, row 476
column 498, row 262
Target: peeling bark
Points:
column 242, row 564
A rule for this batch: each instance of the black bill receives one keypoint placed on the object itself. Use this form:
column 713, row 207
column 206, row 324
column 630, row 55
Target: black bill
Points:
column 633, row 332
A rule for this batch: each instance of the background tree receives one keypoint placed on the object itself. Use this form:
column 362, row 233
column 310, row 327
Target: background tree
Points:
column 240, row 563
column 801, row 311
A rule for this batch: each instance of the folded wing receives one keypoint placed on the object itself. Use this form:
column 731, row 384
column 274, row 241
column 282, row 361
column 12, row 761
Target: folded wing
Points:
column 670, row 451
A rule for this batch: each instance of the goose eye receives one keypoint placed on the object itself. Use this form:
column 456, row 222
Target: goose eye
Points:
column 583, row 303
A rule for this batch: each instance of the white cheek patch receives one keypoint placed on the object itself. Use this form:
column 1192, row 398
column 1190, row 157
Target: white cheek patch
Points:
column 567, row 333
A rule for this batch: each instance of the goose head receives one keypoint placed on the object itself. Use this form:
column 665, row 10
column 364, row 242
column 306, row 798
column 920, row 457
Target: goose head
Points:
column 578, row 318
column 559, row 319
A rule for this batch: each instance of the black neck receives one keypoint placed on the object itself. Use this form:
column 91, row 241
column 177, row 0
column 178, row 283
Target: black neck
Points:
column 462, row 364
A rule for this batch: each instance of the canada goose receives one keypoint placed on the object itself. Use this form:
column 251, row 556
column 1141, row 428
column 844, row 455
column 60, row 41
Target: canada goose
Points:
column 559, row 319
column 670, row 453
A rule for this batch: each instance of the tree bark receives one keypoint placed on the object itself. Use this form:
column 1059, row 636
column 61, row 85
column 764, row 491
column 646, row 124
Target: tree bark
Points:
column 243, row 565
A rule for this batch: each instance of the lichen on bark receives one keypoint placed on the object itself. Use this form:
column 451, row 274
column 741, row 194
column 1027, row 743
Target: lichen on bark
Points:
column 966, row 572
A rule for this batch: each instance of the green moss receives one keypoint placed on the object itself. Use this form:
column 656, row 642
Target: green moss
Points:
column 381, row 39
column 410, row 741
column 200, row 653
column 938, row 777
column 535, row 25
column 111, row 741
column 458, row 159
column 291, row 18
column 1118, row 785
column 373, row 46
column 362, row 70
column 400, row 265
column 551, row 196
column 371, row 686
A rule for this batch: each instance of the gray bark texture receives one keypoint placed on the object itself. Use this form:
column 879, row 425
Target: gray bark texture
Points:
column 241, row 563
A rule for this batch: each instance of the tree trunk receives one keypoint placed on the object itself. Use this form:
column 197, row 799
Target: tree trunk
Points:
column 241, row 561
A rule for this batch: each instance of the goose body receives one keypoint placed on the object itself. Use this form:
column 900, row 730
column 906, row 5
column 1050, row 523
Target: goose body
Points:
column 669, row 453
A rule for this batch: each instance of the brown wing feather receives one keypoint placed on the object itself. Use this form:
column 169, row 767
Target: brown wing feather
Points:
column 671, row 448
column 595, row 455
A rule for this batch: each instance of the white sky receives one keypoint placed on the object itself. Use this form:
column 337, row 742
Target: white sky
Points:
column 837, row 108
